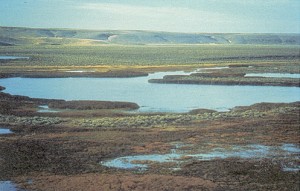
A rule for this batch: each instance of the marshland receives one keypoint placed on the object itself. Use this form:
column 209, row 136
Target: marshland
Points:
column 90, row 115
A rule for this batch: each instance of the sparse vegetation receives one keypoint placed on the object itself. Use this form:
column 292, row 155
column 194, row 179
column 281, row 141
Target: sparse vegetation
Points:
column 154, row 55
column 66, row 148
column 90, row 105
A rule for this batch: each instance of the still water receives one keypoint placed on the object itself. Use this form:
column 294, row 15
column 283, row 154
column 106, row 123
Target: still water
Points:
column 149, row 96
column 4, row 131
column 12, row 57
column 9, row 186
column 257, row 151
column 273, row 75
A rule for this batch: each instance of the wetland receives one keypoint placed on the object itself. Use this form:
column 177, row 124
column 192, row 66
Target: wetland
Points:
column 92, row 121
column 151, row 97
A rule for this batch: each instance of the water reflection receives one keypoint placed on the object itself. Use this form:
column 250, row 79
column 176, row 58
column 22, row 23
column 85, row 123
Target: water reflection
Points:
column 5, row 131
column 273, row 75
column 46, row 109
column 151, row 97
column 12, row 57
column 255, row 151
column 9, row 186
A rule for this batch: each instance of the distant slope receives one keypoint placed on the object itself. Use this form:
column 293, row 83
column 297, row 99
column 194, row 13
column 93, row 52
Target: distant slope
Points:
column 18, row 36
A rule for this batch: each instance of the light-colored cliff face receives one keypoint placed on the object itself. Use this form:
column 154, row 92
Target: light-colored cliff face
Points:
column 16, row 36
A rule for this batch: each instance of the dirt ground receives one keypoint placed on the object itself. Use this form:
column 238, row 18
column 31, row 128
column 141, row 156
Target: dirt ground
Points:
column 61, row 157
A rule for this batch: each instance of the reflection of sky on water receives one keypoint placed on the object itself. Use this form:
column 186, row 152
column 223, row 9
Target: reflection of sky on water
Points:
column 8, row 186
column 151, row 97
column 12, row 57
column 4, row 131
column 274, row 75
column 254, row 151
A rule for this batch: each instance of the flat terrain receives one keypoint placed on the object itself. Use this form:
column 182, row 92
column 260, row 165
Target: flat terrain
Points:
column 148, row 58
column 64, row 150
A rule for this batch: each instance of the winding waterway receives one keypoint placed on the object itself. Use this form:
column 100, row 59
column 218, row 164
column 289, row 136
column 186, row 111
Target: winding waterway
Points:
column 151, row 97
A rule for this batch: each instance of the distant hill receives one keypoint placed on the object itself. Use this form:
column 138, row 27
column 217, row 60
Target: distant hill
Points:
column 19, row 36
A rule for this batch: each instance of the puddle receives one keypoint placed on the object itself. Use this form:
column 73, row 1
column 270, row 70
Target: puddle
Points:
column 273, row 75
column 250, row 151
column 46, row 109
column 284, row 153
column 135, row 162
column 139, row 161
column 213, row 68
column 9, row 186
column 12, row 57
column 291, row 169
column 80, row 71
column 4, row 131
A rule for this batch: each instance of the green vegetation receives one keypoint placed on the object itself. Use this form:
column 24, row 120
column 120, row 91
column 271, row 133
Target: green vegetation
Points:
column 115, row 55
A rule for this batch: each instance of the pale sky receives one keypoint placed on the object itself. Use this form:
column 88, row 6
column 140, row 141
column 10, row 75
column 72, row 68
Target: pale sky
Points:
column 219, row 16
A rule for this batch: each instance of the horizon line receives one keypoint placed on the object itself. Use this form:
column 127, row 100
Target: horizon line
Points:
column 143, row 30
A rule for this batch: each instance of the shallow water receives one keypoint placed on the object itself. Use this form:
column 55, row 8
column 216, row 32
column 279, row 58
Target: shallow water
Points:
column 80, row 71
column 46, row 109
column 131, row 162
column 5, row 131
column 212, row 68
column 12, row 57
column 273, row 75
column 256, row 151
column 150, row 97
column 8, row 186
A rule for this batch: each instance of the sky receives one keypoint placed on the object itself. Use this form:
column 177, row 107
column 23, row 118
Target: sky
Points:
column 190, row 16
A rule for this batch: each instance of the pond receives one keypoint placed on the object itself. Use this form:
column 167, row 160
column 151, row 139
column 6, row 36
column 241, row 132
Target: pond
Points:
column 12, row 57
column 254, row 151
column 150, row 97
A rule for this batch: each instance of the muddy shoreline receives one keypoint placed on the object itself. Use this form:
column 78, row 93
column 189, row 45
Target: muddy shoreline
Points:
column 26, row 106
column 235, row 75
column 73, row 74
column 234, row 82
